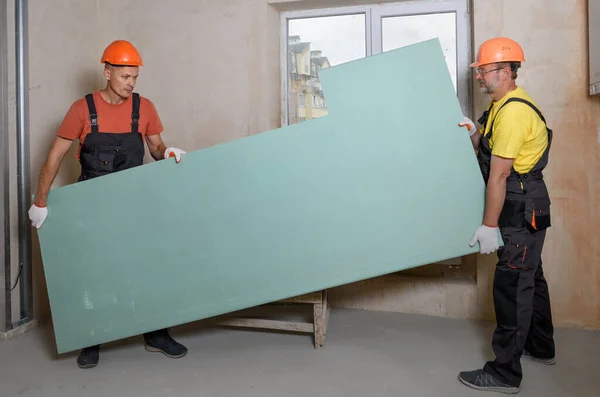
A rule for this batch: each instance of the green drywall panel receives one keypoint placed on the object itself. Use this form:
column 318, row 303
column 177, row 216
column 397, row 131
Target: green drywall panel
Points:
column 387, row 181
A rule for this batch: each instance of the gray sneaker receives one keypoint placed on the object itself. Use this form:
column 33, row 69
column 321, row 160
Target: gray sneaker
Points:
column 481, row 380
column 547, row 361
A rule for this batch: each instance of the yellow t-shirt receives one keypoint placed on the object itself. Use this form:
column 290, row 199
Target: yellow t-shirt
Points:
column 519, row 133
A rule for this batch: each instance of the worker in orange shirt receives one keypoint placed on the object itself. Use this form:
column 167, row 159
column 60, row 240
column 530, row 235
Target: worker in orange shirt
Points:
column 111, row 126
column 513, row 146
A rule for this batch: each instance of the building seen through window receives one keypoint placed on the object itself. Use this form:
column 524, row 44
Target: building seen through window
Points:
column 306, row 100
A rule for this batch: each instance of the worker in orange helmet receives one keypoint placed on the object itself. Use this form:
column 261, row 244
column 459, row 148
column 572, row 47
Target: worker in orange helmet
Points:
column 111, row 125
column 512, row 147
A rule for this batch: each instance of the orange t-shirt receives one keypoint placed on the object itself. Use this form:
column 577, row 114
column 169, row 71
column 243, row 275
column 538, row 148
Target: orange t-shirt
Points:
column 111, row 118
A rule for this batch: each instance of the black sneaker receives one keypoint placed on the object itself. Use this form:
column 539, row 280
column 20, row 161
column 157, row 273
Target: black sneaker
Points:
column 160, row 341
column 481, row 380
column 88, row 358
column 547, row 361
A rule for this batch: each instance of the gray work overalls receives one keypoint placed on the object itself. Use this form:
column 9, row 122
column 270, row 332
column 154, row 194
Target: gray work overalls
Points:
column 521, row 298
column 103, row 153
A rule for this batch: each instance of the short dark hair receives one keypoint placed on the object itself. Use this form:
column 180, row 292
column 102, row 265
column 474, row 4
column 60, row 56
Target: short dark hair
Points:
column 514, row 66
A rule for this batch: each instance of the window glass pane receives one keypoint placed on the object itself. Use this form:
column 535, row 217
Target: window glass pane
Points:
column 314, row 44
column 401, row 31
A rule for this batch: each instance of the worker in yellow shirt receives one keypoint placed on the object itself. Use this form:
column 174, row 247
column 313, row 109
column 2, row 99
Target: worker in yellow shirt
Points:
column 512, row 149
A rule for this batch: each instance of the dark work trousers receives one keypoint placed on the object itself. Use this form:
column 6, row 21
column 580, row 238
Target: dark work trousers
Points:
column 522, row 305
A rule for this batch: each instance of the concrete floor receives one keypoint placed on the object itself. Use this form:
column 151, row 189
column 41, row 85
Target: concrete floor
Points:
column 365, row 354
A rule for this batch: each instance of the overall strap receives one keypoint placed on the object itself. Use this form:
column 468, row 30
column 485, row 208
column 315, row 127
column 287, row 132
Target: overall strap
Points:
column 135, row 112
column 92, row 110
column 531, row 105
column 484, row 117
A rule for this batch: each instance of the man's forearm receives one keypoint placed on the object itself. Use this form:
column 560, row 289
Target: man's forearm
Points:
column 495, row 194
column 159, row 152
column 475, row 139
column 47, row 175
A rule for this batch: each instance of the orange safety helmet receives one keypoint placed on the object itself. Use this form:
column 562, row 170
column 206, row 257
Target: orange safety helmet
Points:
column 121, row 52
column 498, row 49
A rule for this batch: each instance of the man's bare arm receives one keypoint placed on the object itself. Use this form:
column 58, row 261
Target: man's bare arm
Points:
column 500, row 169
column 475, row 139
column 156, row 146
column 50, row 169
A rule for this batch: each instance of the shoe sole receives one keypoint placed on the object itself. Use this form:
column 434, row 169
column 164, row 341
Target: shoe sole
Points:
column 155, row 350
column 541, row 360
column 504, row 390
column 86, row 366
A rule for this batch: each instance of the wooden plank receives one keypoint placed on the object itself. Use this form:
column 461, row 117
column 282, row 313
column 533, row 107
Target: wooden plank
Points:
column 292, row 326
column 319, row 312
column 318, row 301
column 326, row 310
column 315, row 297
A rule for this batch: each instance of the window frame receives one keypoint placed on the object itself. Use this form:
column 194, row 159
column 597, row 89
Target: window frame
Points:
column 374, row 14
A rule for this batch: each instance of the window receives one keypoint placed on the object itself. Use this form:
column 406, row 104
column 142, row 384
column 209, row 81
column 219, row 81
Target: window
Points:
column 313, row 44
column 318, row 39
column 401, row 31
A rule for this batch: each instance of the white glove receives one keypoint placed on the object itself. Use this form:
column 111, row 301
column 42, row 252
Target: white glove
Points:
column 174, row 152
column 488, row 239
column 467, row 122
column 37, row 215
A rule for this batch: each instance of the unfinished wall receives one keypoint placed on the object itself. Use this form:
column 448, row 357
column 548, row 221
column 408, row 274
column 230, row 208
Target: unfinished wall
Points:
column 61, row 69
column 558, row 78
column 212, row 70
column 556, row 75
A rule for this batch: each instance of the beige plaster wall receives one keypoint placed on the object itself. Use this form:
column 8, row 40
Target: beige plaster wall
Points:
column 213, row 73
column 212, row 70
column 554, row 36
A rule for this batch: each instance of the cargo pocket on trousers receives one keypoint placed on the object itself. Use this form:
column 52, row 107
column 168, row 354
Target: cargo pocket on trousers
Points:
column 537, row 213
column 516, row 248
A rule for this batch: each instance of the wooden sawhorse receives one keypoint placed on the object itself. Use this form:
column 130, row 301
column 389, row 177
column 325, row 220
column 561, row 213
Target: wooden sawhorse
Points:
column 318, row 327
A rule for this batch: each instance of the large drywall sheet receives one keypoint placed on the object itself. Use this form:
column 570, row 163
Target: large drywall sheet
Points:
column 387, row 181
